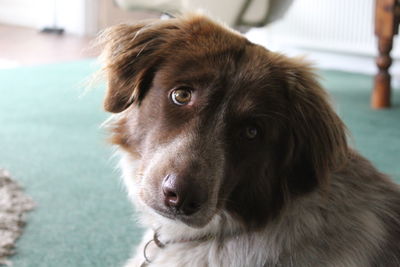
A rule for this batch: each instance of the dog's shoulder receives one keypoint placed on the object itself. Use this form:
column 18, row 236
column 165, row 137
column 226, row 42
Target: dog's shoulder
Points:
column 368, row 208
column 389, row 254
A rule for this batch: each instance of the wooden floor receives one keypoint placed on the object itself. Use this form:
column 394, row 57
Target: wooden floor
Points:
column 21, row 46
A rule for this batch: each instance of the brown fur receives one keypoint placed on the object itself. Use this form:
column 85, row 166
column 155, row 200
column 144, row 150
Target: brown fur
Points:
column 300, row 151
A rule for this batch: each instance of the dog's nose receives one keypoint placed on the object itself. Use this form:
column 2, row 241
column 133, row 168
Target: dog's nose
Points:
column 180, row 195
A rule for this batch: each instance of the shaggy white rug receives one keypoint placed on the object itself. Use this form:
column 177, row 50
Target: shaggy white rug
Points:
column 13, row 206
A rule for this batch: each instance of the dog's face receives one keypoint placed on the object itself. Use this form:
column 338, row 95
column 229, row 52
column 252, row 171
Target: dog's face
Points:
column 215, row 123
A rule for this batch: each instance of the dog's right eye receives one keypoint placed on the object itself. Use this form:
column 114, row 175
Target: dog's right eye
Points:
column 250, row 132
column 181, row 96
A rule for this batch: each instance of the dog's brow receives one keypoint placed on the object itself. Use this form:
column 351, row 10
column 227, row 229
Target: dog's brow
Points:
column 195, row 79
column 245, row 105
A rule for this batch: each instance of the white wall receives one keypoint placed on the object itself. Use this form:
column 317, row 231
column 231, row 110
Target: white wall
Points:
column 70, row 14
column 28, row 13
column 82, row 17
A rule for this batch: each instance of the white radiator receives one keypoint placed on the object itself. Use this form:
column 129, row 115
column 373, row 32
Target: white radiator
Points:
column 331, row 25
column 334, row 34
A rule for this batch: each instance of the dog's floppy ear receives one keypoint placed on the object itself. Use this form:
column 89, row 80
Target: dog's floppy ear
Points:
column 131, row 54
column 316, row 138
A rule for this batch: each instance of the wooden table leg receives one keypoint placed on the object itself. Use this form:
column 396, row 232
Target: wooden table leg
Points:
column 387, row 18
column 382, row 87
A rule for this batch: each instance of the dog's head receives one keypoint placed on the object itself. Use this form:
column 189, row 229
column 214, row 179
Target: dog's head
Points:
column 215, row 123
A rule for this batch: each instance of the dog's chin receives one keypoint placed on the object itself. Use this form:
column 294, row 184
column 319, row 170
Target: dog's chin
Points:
column 197, row 220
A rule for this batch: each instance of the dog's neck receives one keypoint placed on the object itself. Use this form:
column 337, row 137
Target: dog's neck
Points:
column 163, row 244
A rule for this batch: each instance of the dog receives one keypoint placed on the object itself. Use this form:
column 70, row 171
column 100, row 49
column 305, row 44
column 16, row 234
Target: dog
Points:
column 233, row 155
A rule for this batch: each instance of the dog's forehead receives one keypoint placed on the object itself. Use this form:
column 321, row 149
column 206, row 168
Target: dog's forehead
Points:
column 203, row 44
column 240, row 73
column 221, row 62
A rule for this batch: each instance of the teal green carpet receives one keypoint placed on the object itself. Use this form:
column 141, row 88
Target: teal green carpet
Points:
column 51, row 142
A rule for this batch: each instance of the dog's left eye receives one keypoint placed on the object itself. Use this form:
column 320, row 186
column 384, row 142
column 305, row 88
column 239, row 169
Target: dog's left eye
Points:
column 181, row 96
column 251, row 132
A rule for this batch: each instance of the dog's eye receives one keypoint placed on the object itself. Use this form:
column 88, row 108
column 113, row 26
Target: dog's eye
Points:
column 250, row 132
column 181, row 96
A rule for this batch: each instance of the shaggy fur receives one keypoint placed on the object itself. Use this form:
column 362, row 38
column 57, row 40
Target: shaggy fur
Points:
column 254, row 169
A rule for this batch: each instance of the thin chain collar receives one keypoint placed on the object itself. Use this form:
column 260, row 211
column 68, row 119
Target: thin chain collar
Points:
column 162, row 245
